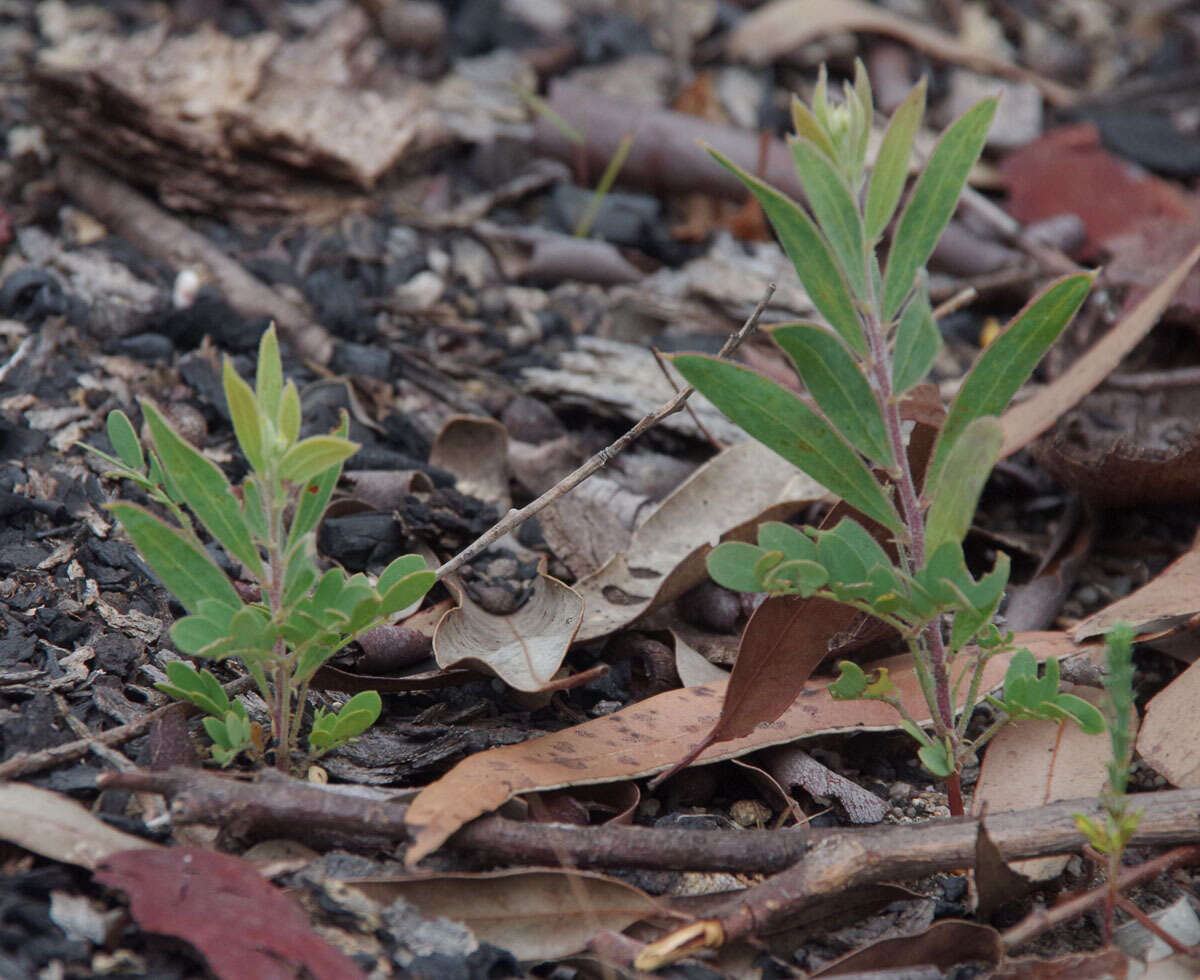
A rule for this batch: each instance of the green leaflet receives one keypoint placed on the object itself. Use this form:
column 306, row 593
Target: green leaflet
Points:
column 955, row 494
column 268, row 381
column 838, row 386
column 918, row 341
column 289, row 413
column 933, row 201
column 124, row 440
column 1009, row 361
column 783, row 423
column 408, row 590
column 790, row 541
column 835, row 210
column 891, row 165
column 203, row 487
column 815, row 265
column 187, row 572
column 732, row 565
column 314, row 456
column 314, row 498
column 243, row 411
column 806, row 125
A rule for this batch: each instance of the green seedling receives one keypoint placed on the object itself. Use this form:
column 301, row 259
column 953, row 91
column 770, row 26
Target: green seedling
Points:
column 1111, row 833
column 298, row 617
column 878, row 341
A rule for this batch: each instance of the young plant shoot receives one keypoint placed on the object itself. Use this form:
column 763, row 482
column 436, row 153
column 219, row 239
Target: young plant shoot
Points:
column 860, row 366
column 298, row 618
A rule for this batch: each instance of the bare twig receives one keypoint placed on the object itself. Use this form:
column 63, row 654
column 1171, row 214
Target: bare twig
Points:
column 1184, row 377
column 956, row 302
column 515, row 518
column 658, row 359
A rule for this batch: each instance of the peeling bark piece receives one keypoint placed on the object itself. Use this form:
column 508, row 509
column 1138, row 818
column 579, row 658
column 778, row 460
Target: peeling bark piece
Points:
column 795, row 767
column 242, row 924
column 655, row 734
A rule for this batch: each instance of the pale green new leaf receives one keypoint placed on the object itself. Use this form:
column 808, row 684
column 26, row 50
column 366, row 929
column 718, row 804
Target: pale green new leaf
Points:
column 1009, row 360
column 933, row 201
column 783, row 423
column 243, row 411
column 955, row 492
column 838, row 386
column 289, row 413
column 187, row 572
column 815, row 264
column 835, row 210
column 807, row 127
column 268, row 381
column 124, row 440
column 918, row 341
column 866, row 102
column 203, row 487
column 314, row 456
column 732, row 564
column 891, row 165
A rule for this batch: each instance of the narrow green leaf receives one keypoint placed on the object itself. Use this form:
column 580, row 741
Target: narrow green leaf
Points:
column 204, row 489
column 835, row 209
column 838, row 386
column 866, row 100
column 891, row 165
column 298, row 580
column 314, row 498
column 918, row 341
column 815, row 264
column 124, row 440
column 731, row 564
column 268, row 381
column 244, row 413
column 955, row 494
column 289, row 413
column 1009, row 360
column 933, row 201
column 806, row 126
column 252, row 509
column 783, row 423
column 314, row 456
column 184, row 569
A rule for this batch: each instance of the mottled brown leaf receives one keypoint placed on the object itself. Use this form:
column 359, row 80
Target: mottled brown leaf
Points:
column 944, row 945
column 242, row 924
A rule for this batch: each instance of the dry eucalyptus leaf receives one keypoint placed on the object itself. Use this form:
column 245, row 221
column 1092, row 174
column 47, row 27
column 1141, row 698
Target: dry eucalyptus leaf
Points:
column 654, row 734
column 693, row 667
column 1168, row 600
column 1033, row 763
column 536, row 915
column 728, row 496
column 57, row 827
column 475, row 450
column 525, row 648
column 1169, row 740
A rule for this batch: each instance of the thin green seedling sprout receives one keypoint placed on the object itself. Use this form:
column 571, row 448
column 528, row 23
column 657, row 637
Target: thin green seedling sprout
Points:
column 876, row 343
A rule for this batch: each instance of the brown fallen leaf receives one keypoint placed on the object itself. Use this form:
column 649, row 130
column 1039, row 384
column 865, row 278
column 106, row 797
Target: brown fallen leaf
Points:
column 1026, row 421
column 56, row 827
column 778, row 28
column 654, row 734
column 693, row 667
column 535, row 915
column 727, row 496
column 525, row 648
column 1167, row 601
column 943, row 945
column 996, row 883
column 242, row 924
column 475, row 450
column 1033, row 763
column 1169, row 740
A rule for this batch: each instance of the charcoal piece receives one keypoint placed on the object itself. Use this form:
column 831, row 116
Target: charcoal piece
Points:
column 340, row 294
column 17, row 648
column 209, row 315
column 446, row 519
column 381, row 458
column 116, row 653
column 531, row 420
column 204, row 378
column 152, row 348
column 32, row 294
column 19, row 441
column 602, row 37
column 362, row 360
column 353, row 539
column 480, row 26
column 16, row 557
column 79, row 778
column 16, row 503
column 35, row 726
column 58, row 628
column 1148, row 138
column 408, row 439
column 632, row 220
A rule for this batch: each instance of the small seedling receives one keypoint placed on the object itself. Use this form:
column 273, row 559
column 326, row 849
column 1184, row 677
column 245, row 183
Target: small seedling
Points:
column 298, row 617
column 1112, row 832
column 879, row 341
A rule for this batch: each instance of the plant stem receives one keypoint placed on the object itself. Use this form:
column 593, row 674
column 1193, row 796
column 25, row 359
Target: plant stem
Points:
column 281, row 707
column 910, row 503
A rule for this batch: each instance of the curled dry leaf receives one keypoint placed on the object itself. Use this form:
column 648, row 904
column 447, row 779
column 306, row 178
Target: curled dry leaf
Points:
column 242, row 924
column 1167, row 601
column 536, row 915
column 943, row 945
column 779, row 28
column 57, row 827
column 475, row 450
column 656, row 733
column 1026, row 421
column 727, row 497
column 693, row 667
column 1033, row 763
column 525, row 648
column 792, row 766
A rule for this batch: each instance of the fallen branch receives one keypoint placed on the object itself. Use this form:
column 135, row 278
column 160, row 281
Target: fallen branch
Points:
column 515, row 518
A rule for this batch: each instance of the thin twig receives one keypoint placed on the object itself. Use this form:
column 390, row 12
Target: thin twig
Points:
column 658, row 359
column 515, row 518
column 956, row 302
column 1185, row 377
